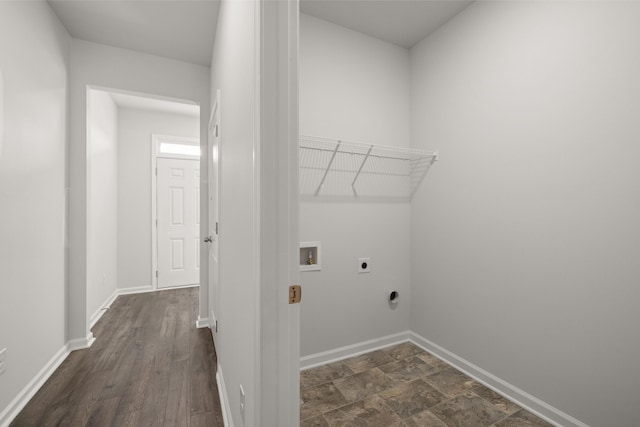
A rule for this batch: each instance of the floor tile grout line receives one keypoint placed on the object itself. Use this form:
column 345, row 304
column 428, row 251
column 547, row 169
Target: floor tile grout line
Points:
column 384, row 402
column 332, row 409
column 507, row 415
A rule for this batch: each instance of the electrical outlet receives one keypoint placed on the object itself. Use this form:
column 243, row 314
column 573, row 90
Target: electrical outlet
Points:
column 242, row 401
column 364, row 265
column 3, row 360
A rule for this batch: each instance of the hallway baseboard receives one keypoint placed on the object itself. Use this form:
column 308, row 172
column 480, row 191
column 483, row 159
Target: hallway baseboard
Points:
column 102, row 309
column 202, row 322
column 135, row 290
column 81, row 343
column 27, row 393
column 119, row 291
column 224, row 398
column 18, row 403
column 32, row 387
column 322, row 358
column 500, row 386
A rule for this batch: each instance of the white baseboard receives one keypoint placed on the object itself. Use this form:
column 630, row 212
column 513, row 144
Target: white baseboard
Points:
column 135, row 290
column 150, row 288
column 202, row 322
column 500, row 386
column 509, row 391
column 224, row 398
column 102, row 309
column 119, row 291
column 81, row 343
column 126, row 291
column 318, row 359
column 196, row 285
column 27, row 393
column 18, row 403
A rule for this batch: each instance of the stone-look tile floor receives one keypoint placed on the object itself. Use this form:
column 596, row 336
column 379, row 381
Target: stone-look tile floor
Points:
column 402, row 386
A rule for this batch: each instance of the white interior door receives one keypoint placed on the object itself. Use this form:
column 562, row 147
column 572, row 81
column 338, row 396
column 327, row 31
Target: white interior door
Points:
column 178, row 214
column 213, row 155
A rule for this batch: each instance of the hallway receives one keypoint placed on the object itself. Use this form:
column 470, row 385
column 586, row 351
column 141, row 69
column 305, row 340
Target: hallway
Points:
column 149, row 366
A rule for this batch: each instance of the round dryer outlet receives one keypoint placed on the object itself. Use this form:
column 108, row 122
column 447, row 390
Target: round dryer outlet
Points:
column 364, row 265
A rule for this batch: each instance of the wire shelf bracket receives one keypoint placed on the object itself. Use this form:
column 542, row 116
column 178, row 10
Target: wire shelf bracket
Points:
column 324, row 177
column 343, row 169
column 353, row 183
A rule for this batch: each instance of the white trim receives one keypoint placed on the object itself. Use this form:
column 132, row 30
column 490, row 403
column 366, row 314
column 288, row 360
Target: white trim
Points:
column 81, row 343
column 20, row 401
column 352, row 350
column 125, row 291
column 277, row 358
column 27, row 393
column 128, row 291
column 525, row 400
column 135, row 290
column 252, row 414
column 170, row 288
column 224, row 398
column 500, row 386
column 102, row 309
column 202, row 322
column 156, row 139
column 154, row 216
column 145, row 289
column 213, row 216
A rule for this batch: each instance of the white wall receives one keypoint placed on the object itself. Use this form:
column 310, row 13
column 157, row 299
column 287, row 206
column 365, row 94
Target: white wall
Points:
column 353, row 87
column 102, row 269
column 34, row 55
column 135, row 128
column 525, row 234
column 254, row 67
column 232, row 72
column 114, row 68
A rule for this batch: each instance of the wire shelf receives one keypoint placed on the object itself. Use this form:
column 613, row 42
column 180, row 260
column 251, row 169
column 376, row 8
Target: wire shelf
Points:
column 343, row 169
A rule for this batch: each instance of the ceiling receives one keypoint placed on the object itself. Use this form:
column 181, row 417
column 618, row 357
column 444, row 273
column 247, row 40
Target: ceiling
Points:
column 401, row 22
column 124, row 100
column 179, row 29
column 185, row 29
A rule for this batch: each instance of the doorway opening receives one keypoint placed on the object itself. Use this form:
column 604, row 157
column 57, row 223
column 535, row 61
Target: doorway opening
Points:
column 141, row 236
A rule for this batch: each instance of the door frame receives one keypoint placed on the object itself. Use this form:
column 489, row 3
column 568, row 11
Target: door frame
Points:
column 156, row 140
column 215, row 113
column 276, row 118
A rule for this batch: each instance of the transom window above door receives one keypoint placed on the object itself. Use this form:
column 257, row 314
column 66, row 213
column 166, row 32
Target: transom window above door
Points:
column 181, row 149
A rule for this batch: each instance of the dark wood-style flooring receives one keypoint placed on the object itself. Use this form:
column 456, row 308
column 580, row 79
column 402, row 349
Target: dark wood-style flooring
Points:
column 149, row 366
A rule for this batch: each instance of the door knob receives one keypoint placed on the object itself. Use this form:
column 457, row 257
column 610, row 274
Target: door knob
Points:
column 208, row 239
